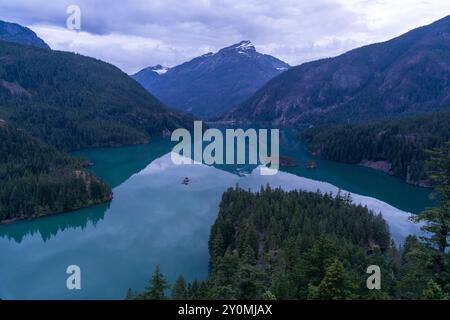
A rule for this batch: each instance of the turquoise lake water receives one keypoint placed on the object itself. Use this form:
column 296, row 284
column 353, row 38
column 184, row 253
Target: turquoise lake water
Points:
column 154, row 219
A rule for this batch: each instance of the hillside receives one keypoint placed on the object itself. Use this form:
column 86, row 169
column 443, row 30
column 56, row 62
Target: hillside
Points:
column 37, row 180
column 285, row 241
column 408, row 74
column 72, row 101
column 13, row 32
column 214, row 82
column 397, row 147
column 63, row 101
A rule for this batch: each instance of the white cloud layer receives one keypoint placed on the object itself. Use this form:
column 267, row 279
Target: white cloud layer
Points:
column 139, row 33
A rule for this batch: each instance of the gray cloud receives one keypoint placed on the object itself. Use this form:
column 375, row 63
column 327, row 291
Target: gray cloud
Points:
column 135, row 34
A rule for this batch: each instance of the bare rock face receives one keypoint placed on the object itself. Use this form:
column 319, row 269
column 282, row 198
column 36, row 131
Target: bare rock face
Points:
column 377, row 165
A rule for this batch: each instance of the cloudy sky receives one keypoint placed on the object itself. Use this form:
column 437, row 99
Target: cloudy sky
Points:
column 137, row 33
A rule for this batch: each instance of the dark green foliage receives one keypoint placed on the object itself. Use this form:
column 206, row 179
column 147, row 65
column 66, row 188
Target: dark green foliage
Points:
column 179, row 290
column 37, row 180
column 418, row 277
column 400, row 142
column 299, row 245
column 69, row 102
column 157, row 287
column 437, row 220
column 73, row 102
column 414, row 271
column 434, row 292
column 131, row 295
column 335, row 284
column 285, row 242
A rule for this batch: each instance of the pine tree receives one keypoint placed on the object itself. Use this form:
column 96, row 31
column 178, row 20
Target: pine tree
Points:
column 437, row 220
column 434, row 292
column 130, row 295
column 268, row 295
column 334, row 286
column 158, row 285
column 179, row 291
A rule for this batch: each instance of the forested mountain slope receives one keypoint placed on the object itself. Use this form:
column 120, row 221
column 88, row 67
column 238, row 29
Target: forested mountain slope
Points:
column 36, row 179
column 408, row 74
column 51, row 101
column 72, row 101
column 210, row 84
column 397, row 146
column 13, row 32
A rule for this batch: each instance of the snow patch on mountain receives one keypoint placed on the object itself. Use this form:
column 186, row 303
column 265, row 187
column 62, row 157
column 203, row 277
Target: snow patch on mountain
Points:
column 160, row 69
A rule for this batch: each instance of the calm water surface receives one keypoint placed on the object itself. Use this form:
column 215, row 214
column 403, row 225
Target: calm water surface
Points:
column 154, row 219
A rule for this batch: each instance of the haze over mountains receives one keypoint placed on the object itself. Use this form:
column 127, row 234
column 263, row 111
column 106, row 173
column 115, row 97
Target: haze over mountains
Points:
column 209, row 84
column 408, row 74
column 13, row 32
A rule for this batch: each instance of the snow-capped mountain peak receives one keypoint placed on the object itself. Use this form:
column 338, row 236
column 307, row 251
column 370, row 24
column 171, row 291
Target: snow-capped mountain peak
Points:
column 245, row 45
column 211, row 83
column 159, row 69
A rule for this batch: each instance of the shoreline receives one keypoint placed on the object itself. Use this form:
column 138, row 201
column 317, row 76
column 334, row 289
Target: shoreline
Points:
column 22, row 218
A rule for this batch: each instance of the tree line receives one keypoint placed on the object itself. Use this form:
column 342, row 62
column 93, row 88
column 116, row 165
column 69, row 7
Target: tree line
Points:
column 36, row 179
column 400, row 142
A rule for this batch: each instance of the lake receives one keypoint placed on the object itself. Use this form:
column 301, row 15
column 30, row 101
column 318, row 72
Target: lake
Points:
column 155, row 219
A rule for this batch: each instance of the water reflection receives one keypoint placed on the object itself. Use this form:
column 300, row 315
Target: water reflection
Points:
column 48, row 227
column 153, row 219
column 115, row 166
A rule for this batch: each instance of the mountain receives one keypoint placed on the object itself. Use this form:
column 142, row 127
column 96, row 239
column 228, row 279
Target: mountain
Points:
column 37, row 180
column 209, row 84
column 397, row 146
column 72, row 101
column 13, row 32
column 54, row 101
column 149, row 76
column 408, row 74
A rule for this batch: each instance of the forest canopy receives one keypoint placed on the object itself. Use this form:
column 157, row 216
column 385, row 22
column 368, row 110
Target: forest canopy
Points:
column 36, row 179
column 402, row 143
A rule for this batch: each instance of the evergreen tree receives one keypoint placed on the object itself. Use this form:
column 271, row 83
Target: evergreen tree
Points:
column 434, row 292
column 179, row 290
column 335, row 285
column 268, row 296
column 294, row 245
column 400, row 143
column 158, row 284
column 131, row 295
column 414, row 270
column 437, row 220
